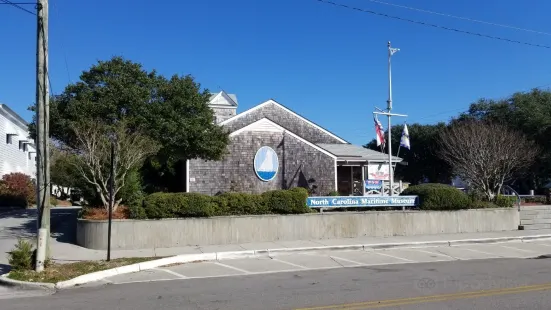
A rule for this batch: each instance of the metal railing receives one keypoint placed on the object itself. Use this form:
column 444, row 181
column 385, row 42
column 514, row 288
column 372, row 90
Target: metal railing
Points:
column 509, row 191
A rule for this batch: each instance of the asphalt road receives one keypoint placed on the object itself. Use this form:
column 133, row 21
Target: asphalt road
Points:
column 474, row 284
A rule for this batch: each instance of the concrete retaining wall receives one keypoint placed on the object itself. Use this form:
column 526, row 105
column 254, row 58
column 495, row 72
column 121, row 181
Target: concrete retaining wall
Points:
column 140, row 234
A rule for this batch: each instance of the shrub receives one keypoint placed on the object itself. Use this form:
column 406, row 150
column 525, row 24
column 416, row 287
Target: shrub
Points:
column 17, row 190
column 505, row 201
column 170, row 205
column 175, row 205
column 136, row 210
column 21, row 185
column 132, row 192
column 291, row 201
column 334, row 193
column 481, row 204
column 240, row 204
column 22, row 257
column 53, row 201
column 438, row 197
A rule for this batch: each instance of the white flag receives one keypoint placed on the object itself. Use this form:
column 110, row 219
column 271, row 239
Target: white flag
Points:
column 404, row 141
column 393, row 50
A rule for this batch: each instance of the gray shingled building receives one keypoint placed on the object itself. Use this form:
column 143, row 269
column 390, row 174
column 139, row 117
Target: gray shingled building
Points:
column 274, row 148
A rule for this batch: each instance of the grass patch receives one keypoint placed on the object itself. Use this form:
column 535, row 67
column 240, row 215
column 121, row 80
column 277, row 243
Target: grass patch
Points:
column 61, row 272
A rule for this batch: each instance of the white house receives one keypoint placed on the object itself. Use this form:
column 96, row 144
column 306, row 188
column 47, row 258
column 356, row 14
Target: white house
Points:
column 17, row 150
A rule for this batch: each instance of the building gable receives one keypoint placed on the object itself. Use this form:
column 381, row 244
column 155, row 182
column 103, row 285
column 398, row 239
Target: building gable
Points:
column 222, row 99
column 266, row 125
column 285, row 118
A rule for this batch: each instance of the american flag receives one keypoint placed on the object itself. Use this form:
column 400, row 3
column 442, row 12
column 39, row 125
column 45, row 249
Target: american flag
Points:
column 379, row 131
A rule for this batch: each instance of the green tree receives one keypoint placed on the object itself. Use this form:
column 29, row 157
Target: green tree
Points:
column 185, row 126
column 62, row 170
column 173, row 112
column 423, row 163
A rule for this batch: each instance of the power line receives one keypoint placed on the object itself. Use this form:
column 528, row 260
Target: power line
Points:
column 63, row 48
column 460, row 17
column 433, row 25
column 17, row 5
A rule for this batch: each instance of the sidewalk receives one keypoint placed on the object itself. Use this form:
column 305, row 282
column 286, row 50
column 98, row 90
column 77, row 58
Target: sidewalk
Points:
column 22, row 223
column 65, row 252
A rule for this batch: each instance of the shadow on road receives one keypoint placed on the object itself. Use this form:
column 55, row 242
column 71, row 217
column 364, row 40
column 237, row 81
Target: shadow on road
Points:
column 4, row 268
column 22, row 224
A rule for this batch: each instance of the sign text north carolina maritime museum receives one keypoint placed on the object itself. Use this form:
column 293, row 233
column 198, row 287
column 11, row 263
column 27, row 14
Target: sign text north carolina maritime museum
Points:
column 363, row 201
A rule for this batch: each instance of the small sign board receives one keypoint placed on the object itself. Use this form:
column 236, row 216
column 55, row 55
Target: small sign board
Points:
column 373, row 184
column 361, row 201
column 378, row 172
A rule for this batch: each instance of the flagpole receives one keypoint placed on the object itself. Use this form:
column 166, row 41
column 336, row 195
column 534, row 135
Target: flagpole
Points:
column 390, row 170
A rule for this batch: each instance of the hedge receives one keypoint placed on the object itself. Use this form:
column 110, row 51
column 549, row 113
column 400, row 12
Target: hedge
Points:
column 505, row 201
column 438, row 197
column 445, row 197
column 175, row 205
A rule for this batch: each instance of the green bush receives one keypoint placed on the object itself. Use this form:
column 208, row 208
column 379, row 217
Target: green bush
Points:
column 172, row 205
column 175, row 205
column 22, row 257
column 291, row 201
column 505, row 201
column 334, row 193
column 240, row 204
column 131, row 192
column 136, row 210
column 482, row 204
column 438, row 197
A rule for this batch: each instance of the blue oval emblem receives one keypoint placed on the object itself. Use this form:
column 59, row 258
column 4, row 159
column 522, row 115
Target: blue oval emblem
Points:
column 266, row 163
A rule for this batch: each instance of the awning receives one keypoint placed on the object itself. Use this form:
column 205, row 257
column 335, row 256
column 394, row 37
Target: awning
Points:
column 356, row 153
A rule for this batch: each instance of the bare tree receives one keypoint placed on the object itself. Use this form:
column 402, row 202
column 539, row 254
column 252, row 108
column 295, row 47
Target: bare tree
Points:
column 485, row 155
column 93, row 154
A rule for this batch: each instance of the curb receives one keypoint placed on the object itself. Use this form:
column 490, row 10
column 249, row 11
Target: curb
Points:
column 5, row 281
column 189, row 258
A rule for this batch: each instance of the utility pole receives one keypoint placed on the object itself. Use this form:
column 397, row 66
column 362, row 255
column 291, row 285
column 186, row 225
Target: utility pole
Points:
column 42, row 143
column 389, row 113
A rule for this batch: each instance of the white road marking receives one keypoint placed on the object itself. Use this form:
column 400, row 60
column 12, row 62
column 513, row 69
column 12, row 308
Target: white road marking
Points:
column 478, row 251
column 439, row 254
column 234, row 268
column 513, row 248
column 400, row 258
column 289, row 263
column 181, row 276
column 303, row 268
column 537, row 243
column 347, row 260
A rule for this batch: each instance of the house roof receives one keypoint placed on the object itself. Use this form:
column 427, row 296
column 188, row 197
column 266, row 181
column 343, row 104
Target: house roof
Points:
column 271, row 101
column 351, row 152
column 223, row 99
column 266, row 125
column 14, row 117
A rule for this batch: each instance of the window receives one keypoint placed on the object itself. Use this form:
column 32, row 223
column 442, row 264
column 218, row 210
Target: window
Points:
column 9, row 138
column 23, row 146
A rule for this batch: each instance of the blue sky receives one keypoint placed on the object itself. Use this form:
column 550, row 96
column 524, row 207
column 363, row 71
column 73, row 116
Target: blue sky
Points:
column 327, row 63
